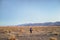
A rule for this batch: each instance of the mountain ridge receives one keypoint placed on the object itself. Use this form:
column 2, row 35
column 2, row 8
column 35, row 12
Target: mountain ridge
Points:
column 42, row 24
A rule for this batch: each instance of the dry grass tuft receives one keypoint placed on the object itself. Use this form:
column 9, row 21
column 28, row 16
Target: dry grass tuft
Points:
column 12, row 37
column 53, row 38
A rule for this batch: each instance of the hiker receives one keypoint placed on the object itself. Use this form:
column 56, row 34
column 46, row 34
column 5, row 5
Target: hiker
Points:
column 30, row 30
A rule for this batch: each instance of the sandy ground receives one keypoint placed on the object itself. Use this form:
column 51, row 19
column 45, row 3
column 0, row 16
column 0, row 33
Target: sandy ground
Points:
column 23, row 33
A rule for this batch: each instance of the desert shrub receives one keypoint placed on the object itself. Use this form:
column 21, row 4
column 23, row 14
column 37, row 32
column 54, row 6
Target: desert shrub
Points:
column 12, row 37
column 55, row 33
column 53, row 38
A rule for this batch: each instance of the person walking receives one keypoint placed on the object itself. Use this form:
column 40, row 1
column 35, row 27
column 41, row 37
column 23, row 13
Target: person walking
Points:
column 30, row 30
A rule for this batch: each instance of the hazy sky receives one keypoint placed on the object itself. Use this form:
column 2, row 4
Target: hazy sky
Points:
column 14, row 12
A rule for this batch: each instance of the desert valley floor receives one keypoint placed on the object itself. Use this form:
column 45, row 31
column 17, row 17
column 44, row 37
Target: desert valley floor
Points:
column 23, row 33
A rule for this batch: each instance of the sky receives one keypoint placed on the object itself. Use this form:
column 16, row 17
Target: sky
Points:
column 15, row 12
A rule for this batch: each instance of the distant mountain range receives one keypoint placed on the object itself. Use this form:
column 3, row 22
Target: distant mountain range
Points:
column 42, row 24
